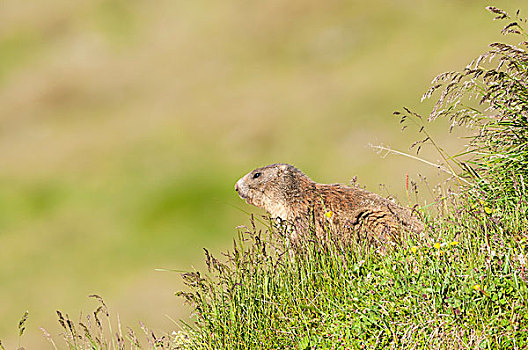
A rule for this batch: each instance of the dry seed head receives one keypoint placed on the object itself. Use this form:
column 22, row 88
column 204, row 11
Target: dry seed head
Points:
column 132, row 337
column 21, row 323
column 61, row 320
column 501, row 13
column 71, row 326
column 103, row 305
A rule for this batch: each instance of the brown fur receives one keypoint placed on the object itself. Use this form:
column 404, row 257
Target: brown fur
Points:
column 287, row 193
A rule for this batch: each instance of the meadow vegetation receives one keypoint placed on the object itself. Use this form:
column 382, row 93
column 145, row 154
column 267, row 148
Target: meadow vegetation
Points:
column 461, row 284
column 125, row 124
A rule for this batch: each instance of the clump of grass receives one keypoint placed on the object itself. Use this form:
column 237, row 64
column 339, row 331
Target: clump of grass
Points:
column 95, row 331
column 490, row 97
column 461, row 284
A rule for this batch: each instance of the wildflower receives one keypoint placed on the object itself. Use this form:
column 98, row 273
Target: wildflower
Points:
column 486, row 208
column 454, row 243
column 437, row 245
column 414, row 249
column 329, row 214
column 478, row 288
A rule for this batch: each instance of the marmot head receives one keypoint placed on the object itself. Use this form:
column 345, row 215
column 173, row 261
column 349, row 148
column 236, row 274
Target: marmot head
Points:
column 271, row 187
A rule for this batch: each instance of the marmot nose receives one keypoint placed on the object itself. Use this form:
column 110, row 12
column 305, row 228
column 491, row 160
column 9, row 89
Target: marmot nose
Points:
column 236, row 187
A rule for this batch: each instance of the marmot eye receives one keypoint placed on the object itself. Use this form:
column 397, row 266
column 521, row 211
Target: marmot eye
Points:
column 256, row 175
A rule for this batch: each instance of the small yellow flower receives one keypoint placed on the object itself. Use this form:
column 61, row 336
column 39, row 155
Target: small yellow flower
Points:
column 454, row 243
column 329, row 214
column 478, row 288
column 487, row 209
column 437, row 245
column 414, row 249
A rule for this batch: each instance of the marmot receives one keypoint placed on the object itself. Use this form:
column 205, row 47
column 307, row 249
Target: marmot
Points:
column 287, row 193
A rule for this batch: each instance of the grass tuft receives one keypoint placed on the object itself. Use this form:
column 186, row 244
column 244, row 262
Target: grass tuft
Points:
column 463, row 284
column 95, row 331
column 490, row 97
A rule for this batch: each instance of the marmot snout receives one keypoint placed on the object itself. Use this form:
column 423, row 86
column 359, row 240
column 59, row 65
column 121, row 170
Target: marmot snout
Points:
column 287, row 193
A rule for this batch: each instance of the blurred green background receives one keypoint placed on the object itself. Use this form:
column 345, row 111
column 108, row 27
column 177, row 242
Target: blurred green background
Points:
column 125, row 124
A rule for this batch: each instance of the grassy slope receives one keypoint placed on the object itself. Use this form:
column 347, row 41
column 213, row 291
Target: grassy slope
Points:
column 460, row 284
column 114, row 116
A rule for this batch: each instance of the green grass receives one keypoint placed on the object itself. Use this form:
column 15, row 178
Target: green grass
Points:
column 461, row 284
column 118, row 117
